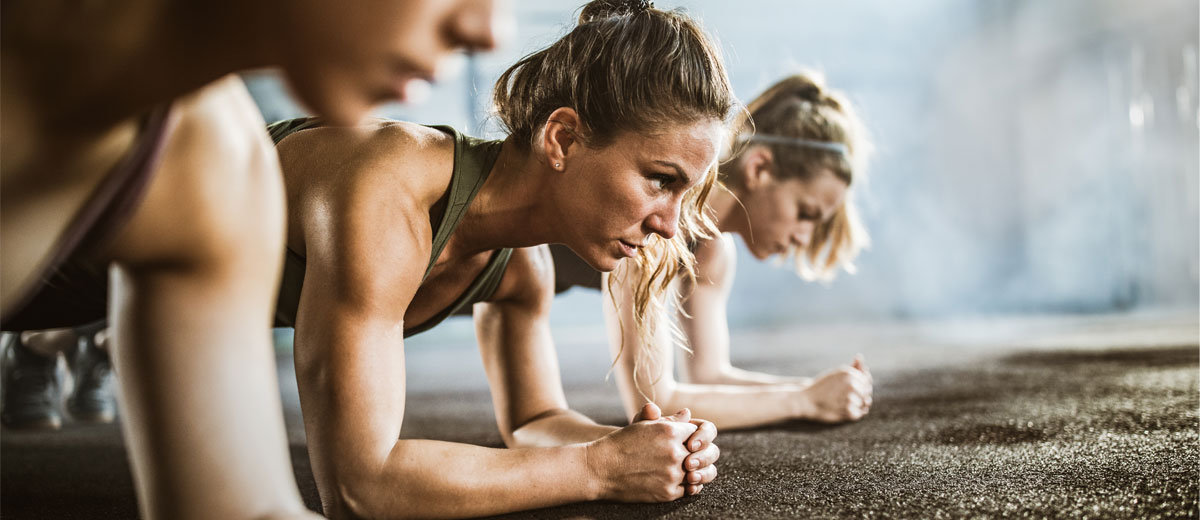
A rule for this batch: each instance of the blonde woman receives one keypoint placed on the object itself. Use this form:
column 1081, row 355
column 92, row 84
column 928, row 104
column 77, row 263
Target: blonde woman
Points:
column 786, row 192
column 393, row 229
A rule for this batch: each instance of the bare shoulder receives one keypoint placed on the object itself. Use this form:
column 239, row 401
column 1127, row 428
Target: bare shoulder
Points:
column 529, row 278
column 216, row 185
column 359, row 201
column 716, row 260
column 392, row 163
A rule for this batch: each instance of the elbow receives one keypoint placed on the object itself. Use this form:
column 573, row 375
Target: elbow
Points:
column 355, row 501
column 534, row 432
column 351, row 499
column 706, row 373
column 514, row 437
column 519, row 438
column 357, row 491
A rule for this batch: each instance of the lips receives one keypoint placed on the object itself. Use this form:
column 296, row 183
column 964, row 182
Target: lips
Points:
column 628, row 248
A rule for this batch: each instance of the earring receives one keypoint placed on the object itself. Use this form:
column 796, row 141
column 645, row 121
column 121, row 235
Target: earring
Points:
column 556, row 165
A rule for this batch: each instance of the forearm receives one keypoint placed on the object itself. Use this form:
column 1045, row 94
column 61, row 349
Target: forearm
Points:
column 737, row 406
column 731, row 375
column 435, row 479
column 558, row 427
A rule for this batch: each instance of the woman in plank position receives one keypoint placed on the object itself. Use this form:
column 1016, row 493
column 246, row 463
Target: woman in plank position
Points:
column 615, row 130
column 129, row 154
column 784, row 192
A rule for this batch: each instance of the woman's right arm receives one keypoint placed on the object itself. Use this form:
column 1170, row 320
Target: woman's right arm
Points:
column 363, row 269
column 193, row 284
column 836, row 396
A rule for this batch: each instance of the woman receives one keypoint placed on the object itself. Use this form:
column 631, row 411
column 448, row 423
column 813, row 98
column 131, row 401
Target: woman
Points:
column 392, row 230
column 130, row 155
column 785, row 192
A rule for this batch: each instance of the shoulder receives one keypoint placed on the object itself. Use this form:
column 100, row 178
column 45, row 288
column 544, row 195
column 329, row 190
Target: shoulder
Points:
column 381, row 160
column 716, row 260
column 361, row 199
column 217, row 182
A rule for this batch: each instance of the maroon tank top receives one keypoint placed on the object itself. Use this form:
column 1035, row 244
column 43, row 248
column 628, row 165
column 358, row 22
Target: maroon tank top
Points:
column 66, row 269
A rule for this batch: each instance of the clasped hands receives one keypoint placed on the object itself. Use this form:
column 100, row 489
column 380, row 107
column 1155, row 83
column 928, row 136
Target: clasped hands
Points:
column 656, row 458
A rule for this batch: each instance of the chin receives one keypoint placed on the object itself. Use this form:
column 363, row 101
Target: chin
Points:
column 759, row 254
column 336, row 101
column 603, row 262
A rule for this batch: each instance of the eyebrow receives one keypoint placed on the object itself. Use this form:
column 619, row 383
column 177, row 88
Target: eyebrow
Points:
column 678, row 171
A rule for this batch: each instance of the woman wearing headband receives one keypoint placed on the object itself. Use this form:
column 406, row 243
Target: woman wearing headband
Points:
column 129, row 154
column 785, row 193
column 392, row 230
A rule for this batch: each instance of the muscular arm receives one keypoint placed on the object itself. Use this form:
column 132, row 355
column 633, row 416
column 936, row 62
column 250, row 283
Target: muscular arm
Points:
column 726, row 405
column 193, row 285
column 366, row 253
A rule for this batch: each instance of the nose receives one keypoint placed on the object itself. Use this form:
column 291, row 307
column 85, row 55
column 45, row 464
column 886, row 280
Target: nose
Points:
column 803, row 234
column 665, row 221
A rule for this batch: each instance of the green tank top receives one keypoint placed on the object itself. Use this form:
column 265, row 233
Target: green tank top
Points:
column 473, row 160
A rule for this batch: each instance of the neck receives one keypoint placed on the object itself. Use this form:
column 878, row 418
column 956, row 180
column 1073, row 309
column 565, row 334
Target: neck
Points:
column 511, row 208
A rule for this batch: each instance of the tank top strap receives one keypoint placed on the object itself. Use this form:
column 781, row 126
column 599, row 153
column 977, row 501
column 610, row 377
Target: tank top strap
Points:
column 473, row 161
column 281, row 129
column 481, row 289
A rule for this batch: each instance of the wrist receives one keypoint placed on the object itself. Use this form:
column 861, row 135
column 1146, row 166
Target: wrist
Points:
column 800, row 405
column 594, row 482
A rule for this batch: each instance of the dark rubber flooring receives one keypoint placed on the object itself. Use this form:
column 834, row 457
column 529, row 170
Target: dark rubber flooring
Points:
column 1049, row 417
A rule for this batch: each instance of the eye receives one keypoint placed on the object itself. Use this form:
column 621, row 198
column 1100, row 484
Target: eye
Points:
column 661, row 180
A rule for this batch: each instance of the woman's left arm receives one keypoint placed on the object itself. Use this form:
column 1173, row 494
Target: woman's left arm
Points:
column 513, row 331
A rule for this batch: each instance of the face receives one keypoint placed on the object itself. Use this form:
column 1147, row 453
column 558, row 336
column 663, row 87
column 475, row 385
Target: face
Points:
column 345, row 58
column 784, row 213
column 617, row 196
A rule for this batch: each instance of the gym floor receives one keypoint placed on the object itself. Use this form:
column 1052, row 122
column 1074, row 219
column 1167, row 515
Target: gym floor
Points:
column 1058, row 416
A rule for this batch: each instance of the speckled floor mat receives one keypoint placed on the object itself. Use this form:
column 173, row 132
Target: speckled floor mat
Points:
column 1092, row 428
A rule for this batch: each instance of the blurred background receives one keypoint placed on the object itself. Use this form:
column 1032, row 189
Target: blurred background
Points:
column 1034, row 158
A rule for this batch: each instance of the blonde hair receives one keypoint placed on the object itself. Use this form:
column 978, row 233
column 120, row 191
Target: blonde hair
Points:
column 801, row 106
column 628, row 67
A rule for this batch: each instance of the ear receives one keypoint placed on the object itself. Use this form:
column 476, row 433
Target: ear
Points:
column 757, row 164
column 560, row 137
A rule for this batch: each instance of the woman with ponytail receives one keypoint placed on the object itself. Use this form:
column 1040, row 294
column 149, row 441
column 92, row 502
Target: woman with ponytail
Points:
column 615, row 131
column 784, row 191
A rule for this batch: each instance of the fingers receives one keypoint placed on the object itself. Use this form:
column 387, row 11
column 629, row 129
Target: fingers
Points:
column 650, row 412
column 683, row 416
column 702, row 459
column 701, row 476
column 705, row 433
column 692, row 489
column 860, row 364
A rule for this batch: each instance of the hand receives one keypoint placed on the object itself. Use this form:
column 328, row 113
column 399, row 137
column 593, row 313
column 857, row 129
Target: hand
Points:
column 642, row 462
column 842, row 394
column 699, row 464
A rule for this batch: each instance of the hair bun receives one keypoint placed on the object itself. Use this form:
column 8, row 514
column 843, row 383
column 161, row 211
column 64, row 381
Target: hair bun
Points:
column 811, row 92
column 601, row 9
